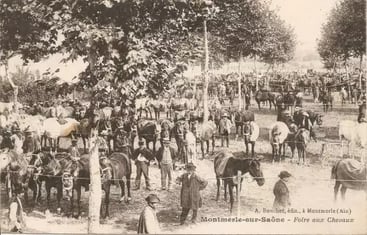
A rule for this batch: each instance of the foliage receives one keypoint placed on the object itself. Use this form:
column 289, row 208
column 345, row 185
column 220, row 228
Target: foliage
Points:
column 343, row 36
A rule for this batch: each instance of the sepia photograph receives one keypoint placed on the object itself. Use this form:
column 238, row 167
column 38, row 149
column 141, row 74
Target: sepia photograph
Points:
column 183, row 117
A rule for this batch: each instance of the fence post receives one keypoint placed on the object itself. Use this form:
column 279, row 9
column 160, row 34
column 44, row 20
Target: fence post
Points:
column 239, row 193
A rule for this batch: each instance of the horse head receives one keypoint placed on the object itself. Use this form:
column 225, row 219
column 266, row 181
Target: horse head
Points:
column 319, row 119
column 303, row 136
column 254, row 168
column 35, row 166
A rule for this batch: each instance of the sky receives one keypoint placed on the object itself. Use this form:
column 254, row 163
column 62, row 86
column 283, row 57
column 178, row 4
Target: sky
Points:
column 306, row 17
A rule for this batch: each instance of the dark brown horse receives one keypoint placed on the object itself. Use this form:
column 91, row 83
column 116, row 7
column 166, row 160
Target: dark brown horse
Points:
column 265, row 96
column 113, row 171
column 229, row 172
column 349, row 173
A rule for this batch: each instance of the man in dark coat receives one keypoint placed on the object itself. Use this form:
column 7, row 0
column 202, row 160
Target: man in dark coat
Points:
column 281, row 191
column 31, row 144
column 192, row 184
column 148, row 221
column 142, row 157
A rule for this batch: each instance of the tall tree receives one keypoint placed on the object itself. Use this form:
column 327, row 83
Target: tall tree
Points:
column 344, row 34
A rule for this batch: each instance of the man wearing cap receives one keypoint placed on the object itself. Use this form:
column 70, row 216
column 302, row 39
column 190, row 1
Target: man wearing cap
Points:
column 142, row 156
column 148, row 221
column 281, row 191
column 362, row 110
column 166, row 156
column 31, row 144
column 224, row 128
column 192, row 184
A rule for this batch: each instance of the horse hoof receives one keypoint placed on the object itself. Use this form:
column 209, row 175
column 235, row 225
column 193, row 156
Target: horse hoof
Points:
column 128, row 199
column 47, row 212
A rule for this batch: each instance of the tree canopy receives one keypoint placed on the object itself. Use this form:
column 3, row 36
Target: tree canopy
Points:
column 139, row 47
column 343, row 36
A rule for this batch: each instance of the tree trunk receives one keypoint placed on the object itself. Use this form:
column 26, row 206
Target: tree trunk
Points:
column 13, row 86
column 95, row 193
column 206, row 75
column 239, row 83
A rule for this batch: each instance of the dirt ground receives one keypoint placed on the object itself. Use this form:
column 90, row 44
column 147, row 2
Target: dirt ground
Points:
column 310, row 188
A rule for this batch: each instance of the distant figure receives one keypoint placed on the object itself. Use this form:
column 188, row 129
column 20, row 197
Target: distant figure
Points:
column 281, row 191
column 73, row 150
column 148, row 221
column 225, row 125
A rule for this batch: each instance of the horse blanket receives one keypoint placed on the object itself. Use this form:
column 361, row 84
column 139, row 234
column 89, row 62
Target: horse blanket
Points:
column 348, row 170
column 221, row 159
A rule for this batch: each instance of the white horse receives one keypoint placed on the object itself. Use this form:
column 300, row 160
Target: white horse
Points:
column 354, row 133
column 53, row 130
column 278, row 133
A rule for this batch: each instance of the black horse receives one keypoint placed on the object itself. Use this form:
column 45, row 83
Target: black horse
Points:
column 113, row 170
column 52, row 166
column 149, row 131
column 250, row 165
column 240, row 117
column 265, row 96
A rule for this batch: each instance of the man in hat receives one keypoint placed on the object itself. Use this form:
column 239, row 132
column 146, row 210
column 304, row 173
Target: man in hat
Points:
column 31, row 144
column 281, row 191
column 17, row 139
column 166, row 156
column 192, row 184
column 119, row 139
column 142, row 157
column 148, row 221
column 6, row 142
column 73, row 150
column 224, row 128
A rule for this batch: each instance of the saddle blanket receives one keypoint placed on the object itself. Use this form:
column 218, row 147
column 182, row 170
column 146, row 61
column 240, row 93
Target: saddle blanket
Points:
column 222, row 159
column 349, row 170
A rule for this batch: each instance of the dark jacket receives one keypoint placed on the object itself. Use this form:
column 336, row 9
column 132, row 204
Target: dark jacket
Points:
column 144, row 152
column 160, row 154
column 190, row 191
column 281, row 194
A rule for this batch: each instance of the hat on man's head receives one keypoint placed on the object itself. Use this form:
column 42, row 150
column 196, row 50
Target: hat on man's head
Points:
column 284, row 174
column 74, row 140
column 190, row 166
column 152, row 198
column 141, row 142
column 166, row 140
column 225, row 114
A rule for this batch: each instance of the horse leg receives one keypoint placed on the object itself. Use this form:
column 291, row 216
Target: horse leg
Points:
column 59, row 196
column 218, row 187
column 246, row 143
column 253, row 149
column 128, row 185
column 202, row 147
column 122, row 187
column 79, row 193
column 84, row 144
column 343, row 190
column 231, row 199
column 48, row 192
column 225, row 184
column 107, row 200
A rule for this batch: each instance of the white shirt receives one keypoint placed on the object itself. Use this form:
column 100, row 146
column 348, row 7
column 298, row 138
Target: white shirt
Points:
column 141, row 158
